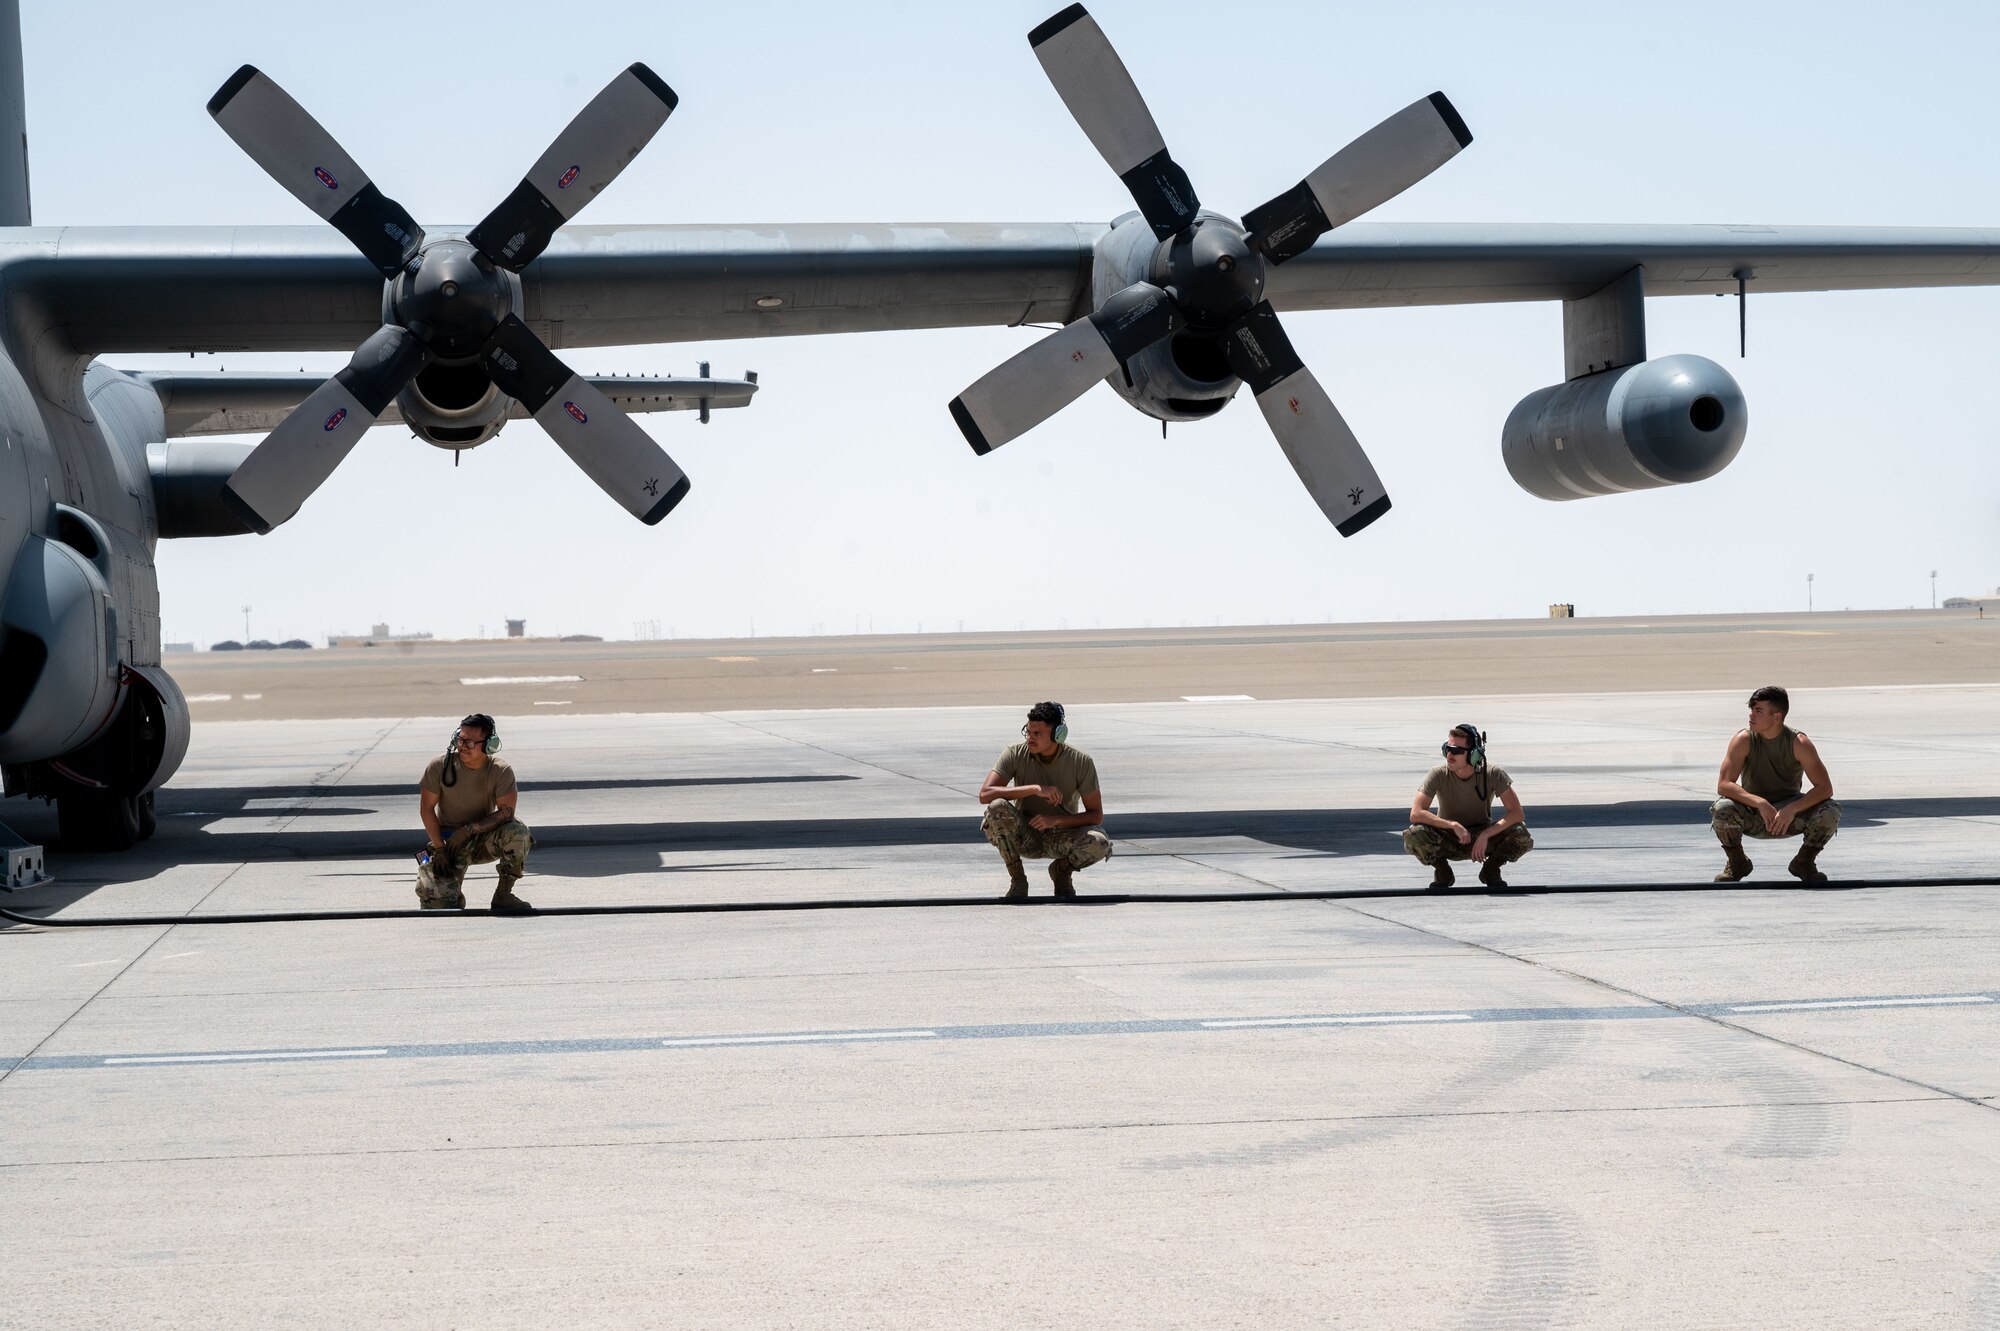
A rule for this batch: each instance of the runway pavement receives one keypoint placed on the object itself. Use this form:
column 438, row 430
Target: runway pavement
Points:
column 1758, row 1105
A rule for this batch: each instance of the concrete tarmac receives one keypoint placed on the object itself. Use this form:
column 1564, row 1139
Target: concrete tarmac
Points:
column 1755, row 1105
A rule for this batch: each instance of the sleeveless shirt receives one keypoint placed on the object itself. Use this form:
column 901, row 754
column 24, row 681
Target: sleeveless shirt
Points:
column 1773, row 771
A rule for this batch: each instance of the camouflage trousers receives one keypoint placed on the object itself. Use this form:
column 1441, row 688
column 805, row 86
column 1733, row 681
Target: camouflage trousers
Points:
column 1010, row 834
column 1431, row 845
column 441, row 883
column 1733, row 821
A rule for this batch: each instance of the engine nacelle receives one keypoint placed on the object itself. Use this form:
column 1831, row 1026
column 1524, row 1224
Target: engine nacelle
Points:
column 453, row 406
column 60, row 682
column 1186, row 377
column 1661, row 422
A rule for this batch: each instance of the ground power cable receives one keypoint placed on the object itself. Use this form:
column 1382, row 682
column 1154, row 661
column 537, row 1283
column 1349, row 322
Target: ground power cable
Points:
column 913, row 903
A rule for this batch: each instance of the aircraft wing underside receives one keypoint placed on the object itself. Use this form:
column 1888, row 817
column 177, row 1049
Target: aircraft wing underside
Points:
column 97, row 290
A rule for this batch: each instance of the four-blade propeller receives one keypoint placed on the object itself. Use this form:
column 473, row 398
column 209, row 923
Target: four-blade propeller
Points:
column 450, row 299
column 1213, row 271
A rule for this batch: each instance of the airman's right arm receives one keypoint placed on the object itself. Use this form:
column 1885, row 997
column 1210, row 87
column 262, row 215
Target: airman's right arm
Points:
column 1726, row 781
column 995, row 788
column 1421, row 815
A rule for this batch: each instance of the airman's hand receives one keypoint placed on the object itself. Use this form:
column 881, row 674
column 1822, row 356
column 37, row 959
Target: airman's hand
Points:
column 1464, row 837
column 1478, row 851
column 1769, row 813
column 1045, row 822
column 1780, row 821
column 1049, row 793
column 459, row 838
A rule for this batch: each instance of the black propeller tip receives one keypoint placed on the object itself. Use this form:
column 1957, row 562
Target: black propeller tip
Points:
column 969, row 428
column 1049, row 27
column 655, row 85
column 1453, row 121
column 251, row 519
column 227, row 92
column 1363, row 518
column 667, row 502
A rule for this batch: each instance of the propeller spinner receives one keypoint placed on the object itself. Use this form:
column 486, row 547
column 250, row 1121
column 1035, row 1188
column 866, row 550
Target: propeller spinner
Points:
column 1207, row 274
column 449, row 298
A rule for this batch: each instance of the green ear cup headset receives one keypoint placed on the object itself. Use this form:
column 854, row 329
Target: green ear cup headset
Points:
column 1050, row 713
column 492, row 745
column 1475, row 740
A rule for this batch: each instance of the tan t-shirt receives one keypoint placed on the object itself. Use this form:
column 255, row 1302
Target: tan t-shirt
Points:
column 1071, row 772
column 1458, row 801
column 473, row 795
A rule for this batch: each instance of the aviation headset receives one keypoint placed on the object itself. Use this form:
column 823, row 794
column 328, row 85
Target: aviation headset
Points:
column 492, row 745
column 1050, row 713
column 1475, row 739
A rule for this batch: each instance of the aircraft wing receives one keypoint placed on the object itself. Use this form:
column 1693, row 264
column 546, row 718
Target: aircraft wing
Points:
column 93, row 290
column 242, row 402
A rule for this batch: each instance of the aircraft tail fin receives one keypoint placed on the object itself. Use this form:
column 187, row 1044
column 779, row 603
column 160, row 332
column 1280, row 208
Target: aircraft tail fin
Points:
column 14, row 206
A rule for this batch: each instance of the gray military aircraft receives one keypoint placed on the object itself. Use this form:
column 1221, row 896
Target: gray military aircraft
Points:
column 1176, row 306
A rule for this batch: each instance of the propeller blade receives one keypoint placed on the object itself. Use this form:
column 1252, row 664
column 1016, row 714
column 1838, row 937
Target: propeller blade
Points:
column 1322, row 450
column 1373, row 169
column 586, row 156
column 1035, row 384
column 296, row 458
column 298, row 153
column 1094, row 83
column 608, row 445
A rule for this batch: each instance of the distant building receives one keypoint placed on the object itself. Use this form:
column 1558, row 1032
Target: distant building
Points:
column 378, row 631
column 1990, row 601
column 176, row 646
column 517, row 628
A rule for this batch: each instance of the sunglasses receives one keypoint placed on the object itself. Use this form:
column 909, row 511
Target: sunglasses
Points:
column 475, row 742
column 1453, row 748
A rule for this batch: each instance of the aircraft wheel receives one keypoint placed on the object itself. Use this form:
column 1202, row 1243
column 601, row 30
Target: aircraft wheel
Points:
column 97, row 822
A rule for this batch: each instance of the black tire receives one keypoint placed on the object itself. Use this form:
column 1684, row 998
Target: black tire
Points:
column 97, row 822
column 149, row 822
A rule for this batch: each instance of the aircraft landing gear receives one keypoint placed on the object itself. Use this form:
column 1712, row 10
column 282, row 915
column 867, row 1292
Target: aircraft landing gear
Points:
column 104, row 821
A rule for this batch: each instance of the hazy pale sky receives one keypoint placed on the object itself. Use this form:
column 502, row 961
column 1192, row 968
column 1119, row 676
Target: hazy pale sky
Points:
column 845, row 497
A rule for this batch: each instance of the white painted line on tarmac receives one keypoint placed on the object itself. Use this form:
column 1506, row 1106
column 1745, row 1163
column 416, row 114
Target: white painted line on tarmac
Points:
column 252, row 697
column 1217, row 697
column 826, row 670
column 523, row 679
column 1861, row 1002
column 813, row 1038
column 282, row 1057
column 560, row 703
column 210, row 697
column 81, row 964
column 1383, row 1020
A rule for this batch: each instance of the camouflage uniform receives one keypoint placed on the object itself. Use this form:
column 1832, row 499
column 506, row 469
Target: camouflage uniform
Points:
column 441, row 883
column 1432, row 845
column 1732, row 820
column 1010, row 834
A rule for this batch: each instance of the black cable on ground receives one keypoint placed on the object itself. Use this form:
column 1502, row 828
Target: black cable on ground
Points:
column 907, row 903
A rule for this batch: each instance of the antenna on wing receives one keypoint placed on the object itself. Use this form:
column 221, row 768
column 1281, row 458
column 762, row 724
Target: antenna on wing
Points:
column 1742, row 276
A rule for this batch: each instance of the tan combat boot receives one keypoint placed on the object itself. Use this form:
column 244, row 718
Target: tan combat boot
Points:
column 1441, row 874
column 1803, row 868
column 505, row 902
column 1017, row 878
column 1738, row 866
column 1489, row 873
column 1063, row 875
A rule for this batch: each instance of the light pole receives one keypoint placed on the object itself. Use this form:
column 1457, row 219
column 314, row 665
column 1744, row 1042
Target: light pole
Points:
column 1933, row 589
column 246, row 625
column 1808, row 593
